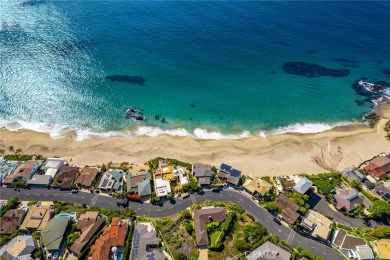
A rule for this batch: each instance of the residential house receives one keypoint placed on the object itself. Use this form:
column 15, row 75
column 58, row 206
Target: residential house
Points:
column 350, row 246
column 368, row 184
column 287, row 183
column 52, row 163
column 86, row 177
column 11, row 220
column 24, row 171
column 303, row 185
column 228, row 173
column 349, row 199
column 203, row 173
column 353, row 174
column 89, row 224
column 164, row 171
column 288, row 207
column 19, row 248
column 112, row 180
column 382, row 247
column 258, row 186
column 65, row 177
column 378, row 167
column 54, row 235
column 112, row 236
column 39, row 181
column 162, row 187
column 139, row 184
column 383, row 191
column 146, row 243
column 37, row 218
column 317, row 224
column 269, row 250
column 204, row 216
column 6, row 168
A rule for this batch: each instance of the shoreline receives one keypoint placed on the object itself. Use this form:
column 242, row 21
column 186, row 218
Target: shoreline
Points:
column 283, row 154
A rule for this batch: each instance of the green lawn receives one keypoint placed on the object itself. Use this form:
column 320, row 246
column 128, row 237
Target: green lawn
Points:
column 214, row 237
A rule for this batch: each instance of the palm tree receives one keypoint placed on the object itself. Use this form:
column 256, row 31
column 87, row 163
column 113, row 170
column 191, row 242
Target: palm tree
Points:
column 18, row 153
column 11, row 148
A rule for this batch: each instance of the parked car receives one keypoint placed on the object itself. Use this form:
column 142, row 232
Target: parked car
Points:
column 75, row 191
column 215, row 190
column 277, row 221
column 135, row 198
column 201, row 192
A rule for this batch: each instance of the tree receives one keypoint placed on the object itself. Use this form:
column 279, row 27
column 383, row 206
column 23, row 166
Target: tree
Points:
column 186, row 214
column 242, row 245
column 380, row 209
column 180, row 256
column 254, row 231
column 129, row 212
column 11, row 148
column 170, row 196
column 357, row 185
column 270, row 206
column 2, row 150
column 381, row 232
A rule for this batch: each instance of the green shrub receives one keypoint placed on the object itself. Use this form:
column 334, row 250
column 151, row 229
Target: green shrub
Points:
column 270, row 206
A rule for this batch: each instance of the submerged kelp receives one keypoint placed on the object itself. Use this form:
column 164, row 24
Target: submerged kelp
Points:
column 312, row 70
column 139, row 80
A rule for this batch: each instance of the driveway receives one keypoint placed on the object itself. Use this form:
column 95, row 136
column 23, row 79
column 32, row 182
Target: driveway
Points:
column 168, row 209
column 318, row 203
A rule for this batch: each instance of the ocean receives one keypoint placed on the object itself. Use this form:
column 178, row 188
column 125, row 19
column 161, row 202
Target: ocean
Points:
column 210, row 69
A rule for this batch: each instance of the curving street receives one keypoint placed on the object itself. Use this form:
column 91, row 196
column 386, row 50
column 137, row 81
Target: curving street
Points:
column 168, row 209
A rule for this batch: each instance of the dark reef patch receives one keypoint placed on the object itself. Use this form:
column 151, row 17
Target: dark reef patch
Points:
column 139, row 80
column 310, row 70
column 67, row 47
column 32, row 3
column 193, row 105
column 311, row 51
column 386, row 72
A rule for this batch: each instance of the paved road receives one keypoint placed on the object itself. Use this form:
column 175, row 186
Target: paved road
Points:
column 168, row 209
column 318, row 203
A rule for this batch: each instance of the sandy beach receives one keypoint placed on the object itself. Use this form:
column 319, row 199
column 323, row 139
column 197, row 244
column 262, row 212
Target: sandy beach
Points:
column 284, row 154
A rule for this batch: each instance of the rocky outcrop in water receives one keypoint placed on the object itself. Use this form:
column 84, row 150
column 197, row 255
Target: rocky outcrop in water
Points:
column 375, row 89
column 371, row 118
column 310, row 70
column 139, row 80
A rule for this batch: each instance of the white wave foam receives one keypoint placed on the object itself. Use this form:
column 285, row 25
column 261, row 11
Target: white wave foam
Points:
column 59, row 131
column 307, row 128
column 155, row 131
column 204, row 134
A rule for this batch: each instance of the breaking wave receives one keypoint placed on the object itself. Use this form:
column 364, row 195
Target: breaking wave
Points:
column 59, row 131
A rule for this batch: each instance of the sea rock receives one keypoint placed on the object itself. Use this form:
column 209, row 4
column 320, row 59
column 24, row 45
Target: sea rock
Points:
column 67, row 47
column 372, row 118
column 312, row 70
column 139, row 80
column 373, row 90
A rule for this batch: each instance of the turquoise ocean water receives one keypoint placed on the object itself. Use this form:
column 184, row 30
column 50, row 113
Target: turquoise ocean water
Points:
column 212, row 69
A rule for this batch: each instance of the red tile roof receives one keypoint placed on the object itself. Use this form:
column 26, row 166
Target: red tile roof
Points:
column 114, row 235
column 375, row 171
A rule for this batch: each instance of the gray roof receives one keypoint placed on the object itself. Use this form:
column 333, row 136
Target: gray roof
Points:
column 269, row 251
column 354, row 174
column 139, row 183
column 303, row 185
column 53, row 233
column 39, row 180
column 364, row 252
column 201, row 170
column 142, row 239
column 19, row 247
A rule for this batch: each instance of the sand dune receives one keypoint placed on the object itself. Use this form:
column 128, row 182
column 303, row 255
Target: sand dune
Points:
column 275, row 155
